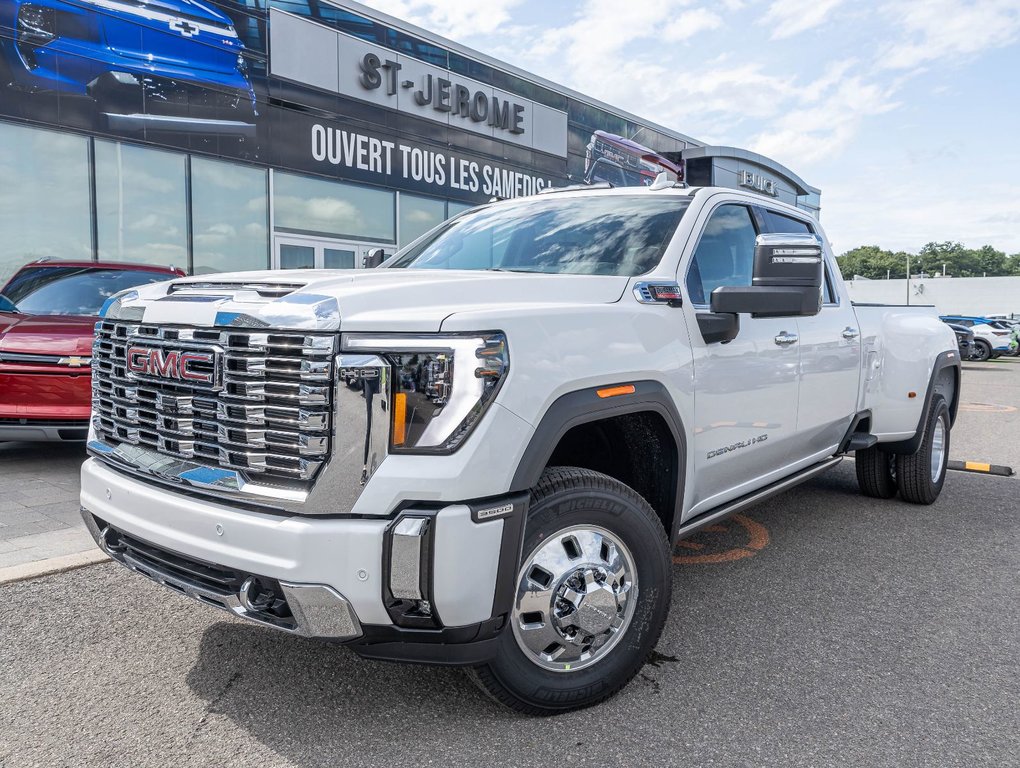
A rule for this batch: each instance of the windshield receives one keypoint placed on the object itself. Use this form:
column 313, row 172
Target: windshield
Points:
column 605, row 235
column 71, row 290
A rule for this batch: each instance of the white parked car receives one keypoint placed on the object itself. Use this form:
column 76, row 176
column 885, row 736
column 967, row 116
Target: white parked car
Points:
column 482, row 453
column 992, row 338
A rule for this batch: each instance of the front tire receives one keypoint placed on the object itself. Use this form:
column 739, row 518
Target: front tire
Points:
column 982, row 351
column 593, row 592
column 921, row 475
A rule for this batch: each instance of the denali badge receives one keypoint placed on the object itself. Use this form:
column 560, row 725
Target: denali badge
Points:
column 738, row 446
column 193, row 367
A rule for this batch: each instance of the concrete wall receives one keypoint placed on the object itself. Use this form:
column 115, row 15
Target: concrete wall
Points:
column 950, row 295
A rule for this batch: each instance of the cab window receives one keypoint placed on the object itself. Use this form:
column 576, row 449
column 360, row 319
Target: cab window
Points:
column 725, row 253
column 778, row 222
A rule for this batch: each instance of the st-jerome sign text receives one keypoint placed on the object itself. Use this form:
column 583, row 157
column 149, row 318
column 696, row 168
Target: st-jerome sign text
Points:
column 443, row 95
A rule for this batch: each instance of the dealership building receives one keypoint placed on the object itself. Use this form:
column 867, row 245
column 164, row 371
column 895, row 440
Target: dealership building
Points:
column 239, row 134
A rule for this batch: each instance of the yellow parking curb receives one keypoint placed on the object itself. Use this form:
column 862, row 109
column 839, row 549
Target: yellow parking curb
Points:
column 981, row 467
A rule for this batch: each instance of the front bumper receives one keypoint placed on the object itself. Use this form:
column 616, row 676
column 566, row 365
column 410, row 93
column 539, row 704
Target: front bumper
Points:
column 312, row 610
column 43, row 430
column 336, row 573
column 136, row 101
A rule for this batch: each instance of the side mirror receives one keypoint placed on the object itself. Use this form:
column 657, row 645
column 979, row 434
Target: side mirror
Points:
column 6, row 305
column 374, row 258
column 787, row 279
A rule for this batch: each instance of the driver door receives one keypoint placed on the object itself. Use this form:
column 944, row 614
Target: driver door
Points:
column 745, row 401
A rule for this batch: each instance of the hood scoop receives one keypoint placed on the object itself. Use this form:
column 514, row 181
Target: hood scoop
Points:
column 266, row 290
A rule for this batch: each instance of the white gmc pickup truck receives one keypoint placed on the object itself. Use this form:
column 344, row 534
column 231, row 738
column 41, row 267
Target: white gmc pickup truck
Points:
column 482, row 452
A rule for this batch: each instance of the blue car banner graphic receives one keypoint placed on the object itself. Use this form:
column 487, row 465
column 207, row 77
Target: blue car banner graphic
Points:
column 127, row 67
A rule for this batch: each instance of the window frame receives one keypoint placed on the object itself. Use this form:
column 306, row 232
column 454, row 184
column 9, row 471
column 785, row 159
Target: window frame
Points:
column 828, row 284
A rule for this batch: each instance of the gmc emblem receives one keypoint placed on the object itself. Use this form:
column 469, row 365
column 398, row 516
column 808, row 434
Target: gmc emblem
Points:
column 172, row 364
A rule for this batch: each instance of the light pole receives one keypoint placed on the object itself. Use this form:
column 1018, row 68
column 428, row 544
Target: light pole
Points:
column 908, row 279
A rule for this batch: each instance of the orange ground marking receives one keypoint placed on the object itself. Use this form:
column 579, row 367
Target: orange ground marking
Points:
column 758, row 539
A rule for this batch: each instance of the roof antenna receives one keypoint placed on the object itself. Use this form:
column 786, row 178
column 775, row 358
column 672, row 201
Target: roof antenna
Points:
column 665, row 180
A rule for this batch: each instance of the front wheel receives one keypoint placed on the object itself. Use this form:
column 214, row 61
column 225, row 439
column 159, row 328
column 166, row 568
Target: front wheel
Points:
column 921, row 475
column 982, row 351
column 593, row 592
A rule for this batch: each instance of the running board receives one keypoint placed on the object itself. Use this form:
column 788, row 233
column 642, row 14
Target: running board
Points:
column 738, row 505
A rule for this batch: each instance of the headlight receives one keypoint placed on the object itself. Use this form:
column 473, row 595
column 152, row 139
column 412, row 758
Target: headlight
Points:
column 36, row 25
column 442, row 385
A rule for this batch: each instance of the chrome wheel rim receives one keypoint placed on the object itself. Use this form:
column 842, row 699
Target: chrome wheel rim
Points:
column 576, row 596
column 938, row 449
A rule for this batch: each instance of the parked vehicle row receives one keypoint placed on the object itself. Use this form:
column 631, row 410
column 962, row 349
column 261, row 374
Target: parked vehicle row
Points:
column 992, row 338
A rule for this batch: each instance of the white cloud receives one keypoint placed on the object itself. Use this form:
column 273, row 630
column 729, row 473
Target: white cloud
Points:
column 791, row 17
column 690, row 23
column 822, row 128
column 908, row 214
column 451, row 18
column 939, row 29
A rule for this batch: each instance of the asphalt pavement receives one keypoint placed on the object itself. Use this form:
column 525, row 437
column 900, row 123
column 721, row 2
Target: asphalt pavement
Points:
column 820, row 628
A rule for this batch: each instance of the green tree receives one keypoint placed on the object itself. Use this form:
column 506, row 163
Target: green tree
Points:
column 872, row 262
column 876, row 263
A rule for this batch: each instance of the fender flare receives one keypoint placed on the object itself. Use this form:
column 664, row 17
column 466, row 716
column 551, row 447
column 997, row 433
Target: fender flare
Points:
column 942, row 362
column 585, row 406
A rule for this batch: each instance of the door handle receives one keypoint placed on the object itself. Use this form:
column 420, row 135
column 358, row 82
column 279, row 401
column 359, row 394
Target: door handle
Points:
column 850, row 333
column 785, row 339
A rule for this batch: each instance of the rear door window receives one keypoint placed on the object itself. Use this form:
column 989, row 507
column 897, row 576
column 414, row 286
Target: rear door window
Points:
column 781, row 223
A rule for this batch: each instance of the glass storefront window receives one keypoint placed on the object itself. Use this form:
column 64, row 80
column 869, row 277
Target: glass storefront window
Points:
column 318, row 206
column 229, row 211
column 141, row 205
column 338, row 258
column 44, row 198
column 418, row 215
column 452, row 208
column 297, row 256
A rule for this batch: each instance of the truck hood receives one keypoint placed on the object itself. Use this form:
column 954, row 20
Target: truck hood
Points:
column 373, row 300
column 46, row 334
column 180, row 33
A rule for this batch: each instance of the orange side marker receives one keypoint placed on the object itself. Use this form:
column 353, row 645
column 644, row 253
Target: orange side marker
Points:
column 623, row 389
column 399, row 418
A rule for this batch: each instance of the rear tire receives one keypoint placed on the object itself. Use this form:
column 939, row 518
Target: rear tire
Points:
column 587, row 536
column 922, row 474
column 876, row 473
column 982, row 351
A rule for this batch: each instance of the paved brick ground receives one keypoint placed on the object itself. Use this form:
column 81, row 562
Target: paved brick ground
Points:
column 39, row 502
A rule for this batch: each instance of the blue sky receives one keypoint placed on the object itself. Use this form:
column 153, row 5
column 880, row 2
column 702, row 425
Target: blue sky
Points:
column 905, row 113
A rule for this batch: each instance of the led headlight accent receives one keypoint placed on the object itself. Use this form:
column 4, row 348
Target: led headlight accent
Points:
column 442, row 385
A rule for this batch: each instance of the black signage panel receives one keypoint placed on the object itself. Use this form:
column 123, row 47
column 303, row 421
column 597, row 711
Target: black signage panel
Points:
column 315, row 144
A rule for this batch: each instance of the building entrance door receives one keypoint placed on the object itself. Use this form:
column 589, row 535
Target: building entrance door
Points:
column 300, row 252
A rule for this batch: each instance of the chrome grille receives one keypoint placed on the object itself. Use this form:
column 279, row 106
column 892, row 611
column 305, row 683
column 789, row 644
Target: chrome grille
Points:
column 269, row 414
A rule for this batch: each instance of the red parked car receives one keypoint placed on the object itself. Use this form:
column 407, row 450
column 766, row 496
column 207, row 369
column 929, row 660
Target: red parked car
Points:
column 48, row 312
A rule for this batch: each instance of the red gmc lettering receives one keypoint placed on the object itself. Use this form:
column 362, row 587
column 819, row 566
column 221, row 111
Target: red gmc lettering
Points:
column 199, row 357
column 170, row 364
